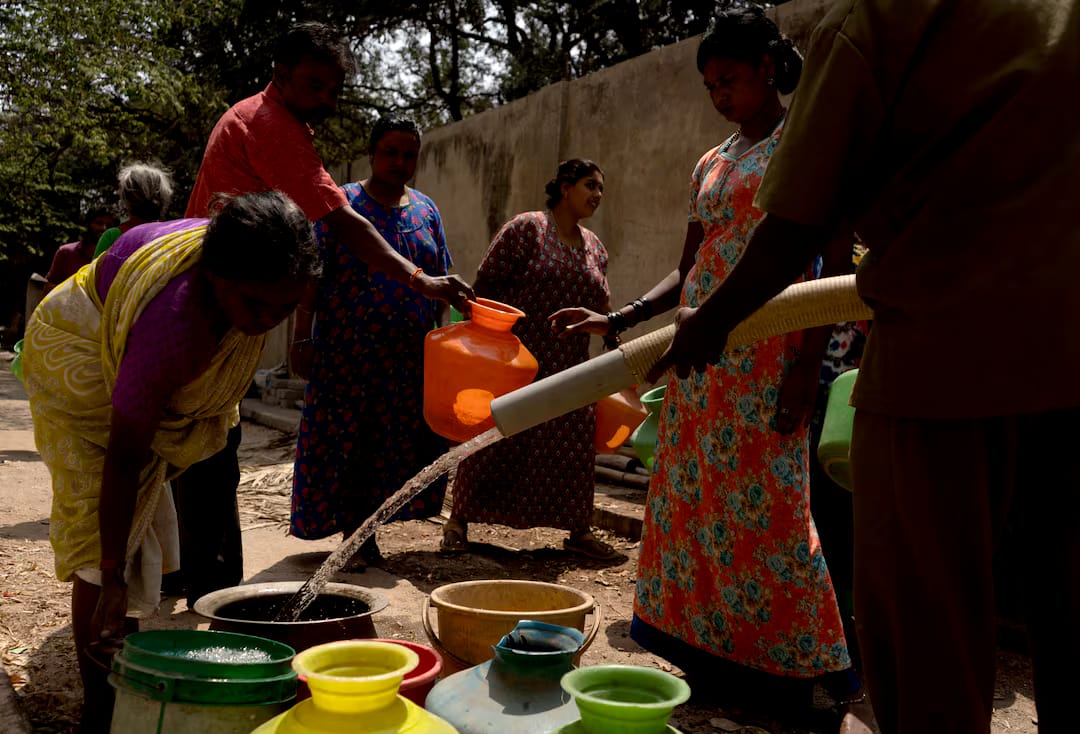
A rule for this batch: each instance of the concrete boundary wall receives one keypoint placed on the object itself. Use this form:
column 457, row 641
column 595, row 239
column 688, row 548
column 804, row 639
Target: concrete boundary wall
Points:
column 646, row 121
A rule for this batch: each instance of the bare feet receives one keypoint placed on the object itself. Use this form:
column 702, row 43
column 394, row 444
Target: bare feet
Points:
column 587, row 544
column 455, row 537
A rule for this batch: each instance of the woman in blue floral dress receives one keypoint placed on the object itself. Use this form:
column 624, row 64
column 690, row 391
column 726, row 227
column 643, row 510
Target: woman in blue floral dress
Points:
column 362, row 432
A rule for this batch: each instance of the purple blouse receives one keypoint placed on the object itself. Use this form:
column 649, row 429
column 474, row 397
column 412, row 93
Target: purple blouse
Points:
column 174, row 338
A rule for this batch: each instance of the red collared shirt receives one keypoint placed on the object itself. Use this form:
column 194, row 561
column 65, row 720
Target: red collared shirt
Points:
column 258, row 145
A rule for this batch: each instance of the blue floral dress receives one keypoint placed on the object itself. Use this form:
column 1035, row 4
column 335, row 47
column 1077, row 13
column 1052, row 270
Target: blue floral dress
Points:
column 730, row 562
column 362, row 432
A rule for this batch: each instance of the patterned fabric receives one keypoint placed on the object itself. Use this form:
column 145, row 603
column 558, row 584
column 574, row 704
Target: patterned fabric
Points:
column 542, row 477
column 258, row 145
column 72, row 354
column 844, row 350
column 362, row 432
column 173, row 339
column 843, row 353
column 730, row 560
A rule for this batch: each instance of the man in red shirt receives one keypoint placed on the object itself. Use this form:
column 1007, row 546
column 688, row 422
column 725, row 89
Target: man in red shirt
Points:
column 264, row 143
column 72, row 256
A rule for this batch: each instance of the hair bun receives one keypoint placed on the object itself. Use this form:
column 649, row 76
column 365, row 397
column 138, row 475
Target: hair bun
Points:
column 789, row 63
column 569, row 172
column 786, row 45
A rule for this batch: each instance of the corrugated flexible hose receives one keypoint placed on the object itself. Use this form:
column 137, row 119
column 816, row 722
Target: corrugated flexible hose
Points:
column 800, row 306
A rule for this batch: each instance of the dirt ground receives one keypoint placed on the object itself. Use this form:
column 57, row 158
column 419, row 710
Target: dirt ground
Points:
column 35, row 634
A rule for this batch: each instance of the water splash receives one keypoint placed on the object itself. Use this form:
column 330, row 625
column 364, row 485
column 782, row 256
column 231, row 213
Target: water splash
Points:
column 336, row 561
column 220, row 654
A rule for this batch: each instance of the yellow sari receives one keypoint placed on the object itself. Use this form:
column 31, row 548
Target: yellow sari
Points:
column 72, row 352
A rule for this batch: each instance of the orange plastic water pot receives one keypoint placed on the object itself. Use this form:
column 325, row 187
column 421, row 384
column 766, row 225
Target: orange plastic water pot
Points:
column 468, row 364
column 617, row 416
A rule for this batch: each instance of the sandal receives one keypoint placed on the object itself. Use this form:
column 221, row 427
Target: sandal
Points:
column 857, row 716
column 454, row 538
column 589, row 545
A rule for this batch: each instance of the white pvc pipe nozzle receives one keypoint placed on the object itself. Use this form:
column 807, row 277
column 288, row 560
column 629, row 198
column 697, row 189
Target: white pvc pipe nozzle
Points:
column 561, row 393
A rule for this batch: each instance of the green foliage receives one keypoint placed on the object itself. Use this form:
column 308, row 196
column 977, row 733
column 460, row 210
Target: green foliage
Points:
column 88, row 84
column 83, row 85
column 564, row 40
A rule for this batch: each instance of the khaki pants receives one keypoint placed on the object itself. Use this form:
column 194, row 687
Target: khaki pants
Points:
column 932, row 499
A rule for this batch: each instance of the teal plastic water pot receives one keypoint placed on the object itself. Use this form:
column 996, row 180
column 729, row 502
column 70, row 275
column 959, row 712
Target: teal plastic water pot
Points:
column 195, row 681
column 834, row 448
column 516, row 691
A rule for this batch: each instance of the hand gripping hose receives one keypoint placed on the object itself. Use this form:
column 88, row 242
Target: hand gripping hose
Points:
column 801, row 306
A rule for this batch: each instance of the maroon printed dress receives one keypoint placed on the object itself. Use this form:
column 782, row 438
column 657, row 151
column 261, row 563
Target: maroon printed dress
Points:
column 542, row 477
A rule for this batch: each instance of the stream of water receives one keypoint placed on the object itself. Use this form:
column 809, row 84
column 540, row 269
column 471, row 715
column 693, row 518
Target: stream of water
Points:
column 337, row 560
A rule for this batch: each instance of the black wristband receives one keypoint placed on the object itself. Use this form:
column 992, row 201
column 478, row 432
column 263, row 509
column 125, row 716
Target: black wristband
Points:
column 642, row 309
column 617, row 322
column 646, row 307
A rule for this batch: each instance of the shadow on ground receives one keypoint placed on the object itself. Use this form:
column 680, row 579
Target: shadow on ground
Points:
column 30, row 530
column 427, row 569
column 19, row 455
column 618, row 635
column 52, row 695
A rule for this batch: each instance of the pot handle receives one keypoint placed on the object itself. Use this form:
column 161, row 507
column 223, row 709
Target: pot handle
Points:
column 598, row 618
column 97, row 655
column 425, row 617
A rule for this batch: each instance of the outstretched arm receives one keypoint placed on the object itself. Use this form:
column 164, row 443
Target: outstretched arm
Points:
column 126, row 456
column 800, row 387
column 662, row 297
column 364, row 241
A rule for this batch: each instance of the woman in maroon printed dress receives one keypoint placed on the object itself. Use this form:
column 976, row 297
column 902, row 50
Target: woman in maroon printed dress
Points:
column 542, row 262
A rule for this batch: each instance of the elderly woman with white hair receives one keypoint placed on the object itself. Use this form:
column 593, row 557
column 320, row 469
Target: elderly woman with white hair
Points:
column 145, row 191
